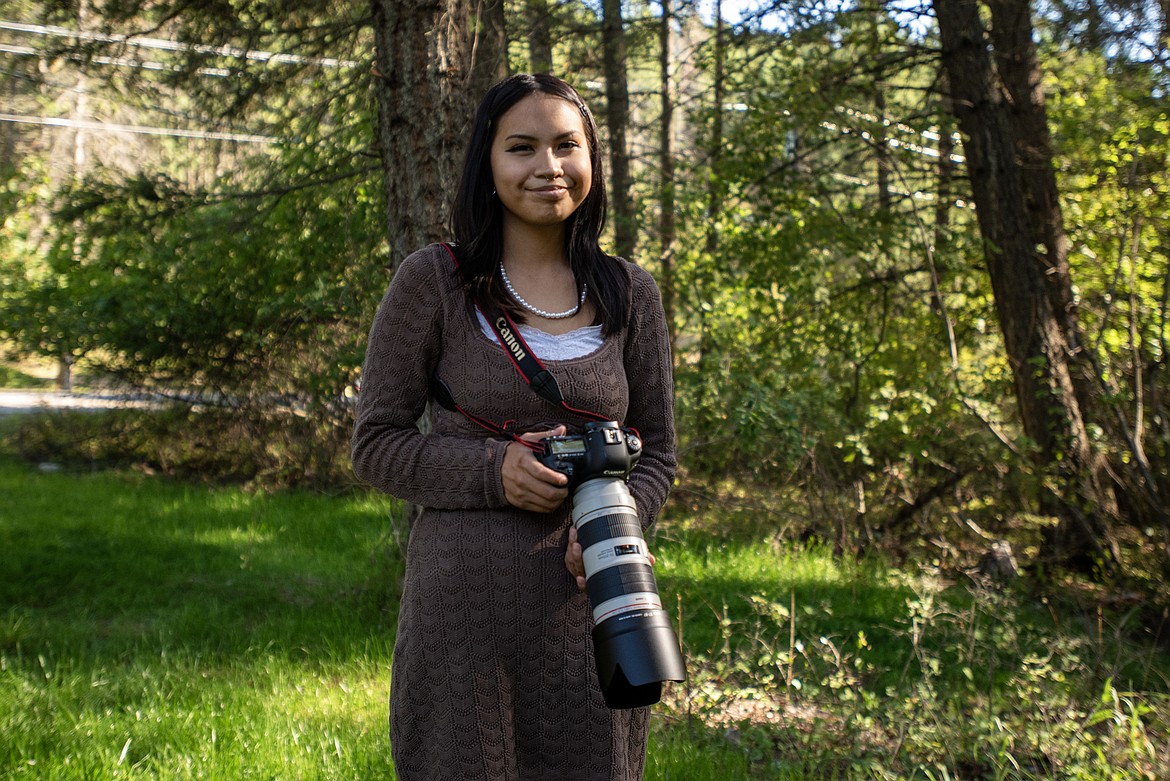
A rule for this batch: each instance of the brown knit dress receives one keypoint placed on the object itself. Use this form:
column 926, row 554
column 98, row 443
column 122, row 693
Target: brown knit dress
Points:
column 493, row 676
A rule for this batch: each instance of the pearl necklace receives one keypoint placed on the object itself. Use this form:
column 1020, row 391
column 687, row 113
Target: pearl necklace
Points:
column 540, row 312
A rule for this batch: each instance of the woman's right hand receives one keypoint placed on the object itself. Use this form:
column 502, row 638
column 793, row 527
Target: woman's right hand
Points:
column 529, row 484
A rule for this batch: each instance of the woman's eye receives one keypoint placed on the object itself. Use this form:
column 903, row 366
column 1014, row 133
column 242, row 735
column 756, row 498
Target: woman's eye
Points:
column 520, row 148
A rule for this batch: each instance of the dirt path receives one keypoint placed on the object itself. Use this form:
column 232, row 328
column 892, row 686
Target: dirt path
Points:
column 17, row 401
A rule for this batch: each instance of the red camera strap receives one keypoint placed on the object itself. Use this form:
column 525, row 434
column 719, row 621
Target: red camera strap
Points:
column 535, row 373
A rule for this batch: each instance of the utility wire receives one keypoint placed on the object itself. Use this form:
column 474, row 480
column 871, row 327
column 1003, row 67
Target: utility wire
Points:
column 175, row 46
column 150, row 43
column 111, row 127
column 121, row 62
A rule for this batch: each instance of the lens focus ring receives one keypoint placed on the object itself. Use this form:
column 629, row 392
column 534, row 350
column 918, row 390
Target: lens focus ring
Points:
column 618, row 581
column 607, row 527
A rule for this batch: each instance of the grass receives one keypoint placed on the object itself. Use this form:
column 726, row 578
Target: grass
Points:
column 817, row 667
column 155, row 630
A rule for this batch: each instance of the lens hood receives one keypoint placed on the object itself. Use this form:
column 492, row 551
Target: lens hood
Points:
column 635, row 653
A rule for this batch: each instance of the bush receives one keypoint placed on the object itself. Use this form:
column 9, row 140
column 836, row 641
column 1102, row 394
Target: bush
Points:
column 279, row 449
column 973, row 685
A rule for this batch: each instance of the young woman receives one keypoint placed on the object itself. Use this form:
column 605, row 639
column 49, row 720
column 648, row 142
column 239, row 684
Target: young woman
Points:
column 493, row 675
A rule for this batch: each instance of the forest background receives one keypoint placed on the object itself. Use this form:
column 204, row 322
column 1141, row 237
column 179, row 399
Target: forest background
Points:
column 914, row 256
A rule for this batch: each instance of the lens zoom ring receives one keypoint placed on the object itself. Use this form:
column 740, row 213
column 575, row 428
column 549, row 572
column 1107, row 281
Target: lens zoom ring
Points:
column 613, row 582
column 606, row 527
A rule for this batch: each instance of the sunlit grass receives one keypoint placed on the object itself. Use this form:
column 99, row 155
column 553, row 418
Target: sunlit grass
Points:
column 151, row 629
column 808, row 592
column 155, row 630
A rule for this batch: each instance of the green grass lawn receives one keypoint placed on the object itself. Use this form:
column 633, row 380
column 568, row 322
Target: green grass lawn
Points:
column 153, row 630
column 156, row 630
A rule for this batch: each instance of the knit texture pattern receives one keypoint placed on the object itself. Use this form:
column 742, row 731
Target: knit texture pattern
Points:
column 493, row 676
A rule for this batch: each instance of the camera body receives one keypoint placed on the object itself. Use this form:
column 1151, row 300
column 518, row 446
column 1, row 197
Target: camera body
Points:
column 604, row 450
column 634, row 645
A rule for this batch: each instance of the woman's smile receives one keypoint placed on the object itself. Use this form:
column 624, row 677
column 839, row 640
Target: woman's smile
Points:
column 551, row 191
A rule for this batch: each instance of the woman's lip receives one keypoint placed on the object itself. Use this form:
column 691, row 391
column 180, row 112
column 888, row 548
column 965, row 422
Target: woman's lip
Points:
column 554, row 190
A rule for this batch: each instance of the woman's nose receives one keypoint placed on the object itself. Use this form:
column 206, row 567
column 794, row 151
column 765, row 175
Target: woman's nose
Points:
column 549, row 165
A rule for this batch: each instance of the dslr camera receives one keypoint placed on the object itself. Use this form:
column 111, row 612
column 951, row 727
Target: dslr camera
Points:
column 634, row 644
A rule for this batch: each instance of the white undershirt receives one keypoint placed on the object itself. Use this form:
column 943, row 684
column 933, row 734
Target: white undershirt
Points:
column 553, row 347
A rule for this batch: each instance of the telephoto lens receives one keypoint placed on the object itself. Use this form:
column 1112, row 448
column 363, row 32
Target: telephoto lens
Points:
column 634, row 643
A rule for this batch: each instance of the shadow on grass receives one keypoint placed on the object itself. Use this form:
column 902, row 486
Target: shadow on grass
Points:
column 112, row 563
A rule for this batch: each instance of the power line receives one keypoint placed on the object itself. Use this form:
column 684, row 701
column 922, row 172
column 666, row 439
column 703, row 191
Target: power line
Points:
column 41, row 81
column 10, row 49
column 175, row 46
column 121, row 62
column 112, row 127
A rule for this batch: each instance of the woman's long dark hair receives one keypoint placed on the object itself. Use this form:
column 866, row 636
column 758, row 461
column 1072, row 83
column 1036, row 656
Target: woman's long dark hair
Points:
column 477, row 220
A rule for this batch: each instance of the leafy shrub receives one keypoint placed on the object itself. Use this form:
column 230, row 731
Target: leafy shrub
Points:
column 274, row 449
column 972, row 688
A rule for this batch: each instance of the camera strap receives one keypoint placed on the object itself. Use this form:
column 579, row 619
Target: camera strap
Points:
column 535, row 373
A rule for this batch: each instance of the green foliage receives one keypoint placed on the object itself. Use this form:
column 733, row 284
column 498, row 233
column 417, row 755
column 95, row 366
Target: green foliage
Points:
column 239, row 280
column 251, row 296
column 1115, row 134
column 816, row 342
column 812, row 666
column 280, row 448
column 15, row 378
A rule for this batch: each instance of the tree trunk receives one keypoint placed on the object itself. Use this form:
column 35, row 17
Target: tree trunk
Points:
column 715, row 151
column 1004, row 152
column 489, row 51
column 945, row 170
column 540, row 59
column 882, row 153
column 1160, row 22
column 666, row 222
column 708, row 264
column 81, row 164
column 617, row 116
column 423, row 84
column 10, row 132
column 428, row 83
column 881, row 141
column 1020, row 73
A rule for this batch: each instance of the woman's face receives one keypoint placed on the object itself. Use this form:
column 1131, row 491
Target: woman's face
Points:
column 540, row 161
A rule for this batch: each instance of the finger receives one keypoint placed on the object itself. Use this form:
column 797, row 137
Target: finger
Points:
column 574, row 560
column 547, row 484
column 540, row 502
column 536, row 436
column 652, row 558
column 544, row 475
column 573, row 553
column 569, row 549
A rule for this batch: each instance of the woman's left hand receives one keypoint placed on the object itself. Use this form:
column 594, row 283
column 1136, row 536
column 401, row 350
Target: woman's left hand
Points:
column 575, row 562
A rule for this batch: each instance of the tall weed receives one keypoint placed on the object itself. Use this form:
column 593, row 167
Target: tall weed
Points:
column 972, row 683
